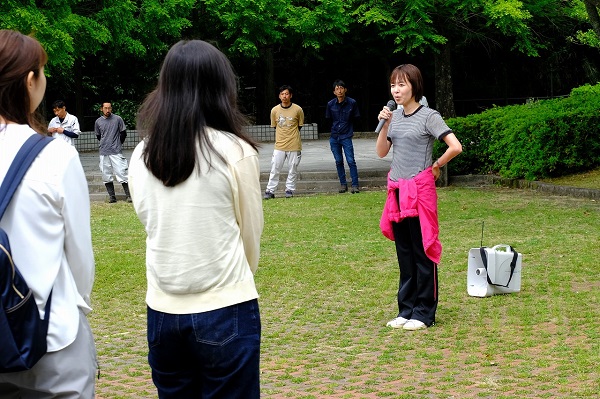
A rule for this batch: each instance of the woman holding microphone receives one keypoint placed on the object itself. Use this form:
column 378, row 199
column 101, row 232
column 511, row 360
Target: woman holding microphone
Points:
column 410, row 214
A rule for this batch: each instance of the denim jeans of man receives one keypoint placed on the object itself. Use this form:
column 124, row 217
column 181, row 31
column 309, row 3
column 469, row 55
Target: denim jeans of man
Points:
column 206, row 355
column 337, row 146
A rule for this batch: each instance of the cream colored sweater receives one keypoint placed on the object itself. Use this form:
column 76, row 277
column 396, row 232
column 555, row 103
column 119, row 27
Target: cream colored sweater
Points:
column 203, row 241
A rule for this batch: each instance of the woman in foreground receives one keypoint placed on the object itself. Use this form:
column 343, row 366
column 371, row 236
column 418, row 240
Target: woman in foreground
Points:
column 195, row 186
column 48, row 224
column 410, row 214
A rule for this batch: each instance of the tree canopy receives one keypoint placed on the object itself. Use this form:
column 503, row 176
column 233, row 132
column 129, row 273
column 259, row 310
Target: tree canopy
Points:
column 114, row 48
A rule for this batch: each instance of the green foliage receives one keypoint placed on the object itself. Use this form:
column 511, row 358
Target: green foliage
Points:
column 426, row 25
column 143, row 27
column 40, row 23
column 169, row 18
column 588, row 12
column 94, row 46
column 252, row 24
column 537, row 140
column 511, row 18
column 410, row 23
column 127, row 110
column 587, row 37
column 321, row 25
column 72, row 30
column 473, row 132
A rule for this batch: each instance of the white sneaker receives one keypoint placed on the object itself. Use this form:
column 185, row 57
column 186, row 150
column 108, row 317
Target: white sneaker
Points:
column 398, row 322
column 414, row 324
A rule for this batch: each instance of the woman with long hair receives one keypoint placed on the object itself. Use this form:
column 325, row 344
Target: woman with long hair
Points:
column 410, row 213
column 48, row 223
column 194, row 182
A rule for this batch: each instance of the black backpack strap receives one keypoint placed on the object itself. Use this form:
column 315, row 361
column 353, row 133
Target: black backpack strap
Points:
column 513, row 265
column 20, row 164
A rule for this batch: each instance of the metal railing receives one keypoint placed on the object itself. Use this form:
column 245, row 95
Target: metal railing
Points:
column 87, row 141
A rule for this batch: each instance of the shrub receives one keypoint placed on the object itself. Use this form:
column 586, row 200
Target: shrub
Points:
column 546, row 138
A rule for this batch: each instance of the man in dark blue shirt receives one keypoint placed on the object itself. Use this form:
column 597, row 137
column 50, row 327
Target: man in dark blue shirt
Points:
column 342, row 111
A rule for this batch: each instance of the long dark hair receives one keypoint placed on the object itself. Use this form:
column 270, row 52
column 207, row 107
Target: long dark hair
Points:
column 19, row 55
column 196, row 89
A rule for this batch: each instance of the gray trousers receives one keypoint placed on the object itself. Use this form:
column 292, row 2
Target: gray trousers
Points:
column 68, row 373
column 114, row 165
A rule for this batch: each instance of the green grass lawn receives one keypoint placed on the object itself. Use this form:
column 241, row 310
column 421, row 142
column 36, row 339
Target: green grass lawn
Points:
column 328, row 279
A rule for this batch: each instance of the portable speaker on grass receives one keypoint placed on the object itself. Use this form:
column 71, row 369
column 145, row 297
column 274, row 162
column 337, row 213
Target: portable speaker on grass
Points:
column 493, row 271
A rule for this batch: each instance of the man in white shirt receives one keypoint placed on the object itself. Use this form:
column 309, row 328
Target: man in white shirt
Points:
column 64, row 125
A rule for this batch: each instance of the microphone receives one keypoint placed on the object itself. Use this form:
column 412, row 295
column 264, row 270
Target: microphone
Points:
column 391, row 106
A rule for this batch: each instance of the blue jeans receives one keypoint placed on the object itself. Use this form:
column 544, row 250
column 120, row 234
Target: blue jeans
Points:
column 206, row 355
column 337, row 145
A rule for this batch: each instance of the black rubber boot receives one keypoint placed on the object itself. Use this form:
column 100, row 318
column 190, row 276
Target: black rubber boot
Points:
column 110, row 187
column 126, row 189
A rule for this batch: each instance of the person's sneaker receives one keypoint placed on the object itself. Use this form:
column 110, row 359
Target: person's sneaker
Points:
column 128, row 199
column 343, row 189
column 398, row 322
column 112, row 199
column 289, row 194
column 414, row 324
column 269, row 195
column 355, row 190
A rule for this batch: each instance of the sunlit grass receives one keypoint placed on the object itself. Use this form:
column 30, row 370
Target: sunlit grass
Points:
column 589, row 179
column 328, row 279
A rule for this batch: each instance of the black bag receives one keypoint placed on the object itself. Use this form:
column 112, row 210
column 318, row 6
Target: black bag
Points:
column 22, row 331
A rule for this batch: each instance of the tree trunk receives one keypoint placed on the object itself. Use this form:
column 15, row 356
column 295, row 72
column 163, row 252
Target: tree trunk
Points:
column 266, row 95
column 444, row 97
column 79, row 108
column 592, row 11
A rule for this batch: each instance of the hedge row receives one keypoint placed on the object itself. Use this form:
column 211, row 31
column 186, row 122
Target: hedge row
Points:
column 545, row 138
